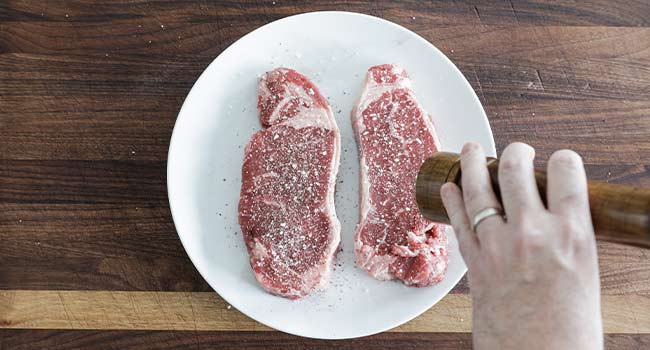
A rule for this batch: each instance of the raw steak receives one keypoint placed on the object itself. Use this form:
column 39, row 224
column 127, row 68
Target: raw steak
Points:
column 286, row 205
column 395, row 135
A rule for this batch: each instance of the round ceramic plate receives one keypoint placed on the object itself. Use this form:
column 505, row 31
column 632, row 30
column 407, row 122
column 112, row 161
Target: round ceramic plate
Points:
column 333, row 49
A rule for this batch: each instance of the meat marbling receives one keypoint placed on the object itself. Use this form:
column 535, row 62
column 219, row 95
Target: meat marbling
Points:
column 286, row 207
column 395, row 135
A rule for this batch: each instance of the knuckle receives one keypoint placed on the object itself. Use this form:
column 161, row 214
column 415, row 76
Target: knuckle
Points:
column 456, row 221
column 515, row 160
column 469, row 149
column 528, row 235
column 472, row 194
column 529, row 244
column 566, row 159
column 523, row 224
column 509, row 164
column 569, row 227
column 535, row 241
column 471, row 146
column 575, row 231
column 571, row 200
column 519, row 246
column 577, row 235
column 453, row 214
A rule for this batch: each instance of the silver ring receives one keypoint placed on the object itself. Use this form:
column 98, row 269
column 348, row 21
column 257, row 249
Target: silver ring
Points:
column 484, row 214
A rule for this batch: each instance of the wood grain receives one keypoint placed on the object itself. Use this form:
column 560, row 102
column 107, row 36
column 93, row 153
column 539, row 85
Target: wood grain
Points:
column 623, row 269
column 105, row 225
column 83, row 182
column 237, row 340
column 89, row 93
column 89, row 273
column 582, row 82
column 592, row 12
column 18, row 339
column 206, row 311
column 619, row 213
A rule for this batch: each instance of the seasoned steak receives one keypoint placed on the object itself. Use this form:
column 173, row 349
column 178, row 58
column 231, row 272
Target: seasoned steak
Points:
column 395, row 135
column 286, row 206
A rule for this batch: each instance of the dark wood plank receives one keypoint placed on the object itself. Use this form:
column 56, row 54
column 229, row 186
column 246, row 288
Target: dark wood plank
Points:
column 554, row 88
column 168, row 340
column 140, row 340
column 565, row 13
column 105, row 225
column 89, row 225
column 97, row 231
column 93, row 247
column 82, row 182
column 593, row 12
column 90, row 108
column 91, row 273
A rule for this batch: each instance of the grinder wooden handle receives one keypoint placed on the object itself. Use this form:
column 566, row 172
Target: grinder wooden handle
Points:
column 619, row 213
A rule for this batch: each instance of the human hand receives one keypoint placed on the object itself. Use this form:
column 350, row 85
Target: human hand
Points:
column 533, row 278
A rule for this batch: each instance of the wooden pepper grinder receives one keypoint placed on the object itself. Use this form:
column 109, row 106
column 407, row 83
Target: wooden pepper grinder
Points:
column 619, row 213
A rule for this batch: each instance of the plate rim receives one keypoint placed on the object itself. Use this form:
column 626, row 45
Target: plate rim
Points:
column 233, row 46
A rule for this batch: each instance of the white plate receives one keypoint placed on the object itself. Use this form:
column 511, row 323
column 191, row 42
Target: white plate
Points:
column 333, row 49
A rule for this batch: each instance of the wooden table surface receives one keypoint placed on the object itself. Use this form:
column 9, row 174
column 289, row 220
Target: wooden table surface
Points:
column 90, row 90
